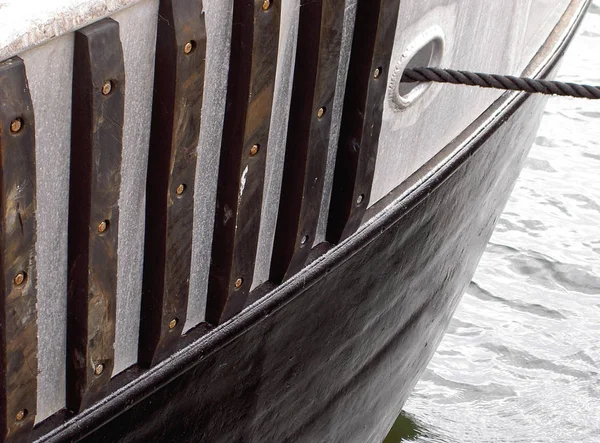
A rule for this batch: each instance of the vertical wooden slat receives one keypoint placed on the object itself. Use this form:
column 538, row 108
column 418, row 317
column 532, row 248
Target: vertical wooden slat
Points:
column 176, row 113
column 362, row 116
column 254, row 43
column 95, row 181
column 317, row 60
column 18, row 315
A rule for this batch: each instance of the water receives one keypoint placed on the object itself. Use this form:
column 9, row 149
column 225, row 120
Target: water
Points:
column 521, row 359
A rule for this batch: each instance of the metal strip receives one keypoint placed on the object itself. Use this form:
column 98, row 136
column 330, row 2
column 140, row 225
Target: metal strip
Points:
column 18, row 314
column 363, row 110
column 178, row 96
column 95, row 181
column 251, row 83
column 309, row 128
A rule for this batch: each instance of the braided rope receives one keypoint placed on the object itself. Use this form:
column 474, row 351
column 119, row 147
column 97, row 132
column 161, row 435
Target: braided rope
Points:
column 495, row 81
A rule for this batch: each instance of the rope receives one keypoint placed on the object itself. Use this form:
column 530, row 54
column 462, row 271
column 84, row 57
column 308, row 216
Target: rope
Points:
column 509, row 82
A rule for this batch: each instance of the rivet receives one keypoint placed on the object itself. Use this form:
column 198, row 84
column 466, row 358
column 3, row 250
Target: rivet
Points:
column 304, row 240
column 99, row 369
column 189, row 46
column 238, row 282
column 21, row 414
column 16, row 125
column 180, row 189
column 321, row 112
column 19, row 279
column 360, row 198
column 103, row 226
column 107, row 87
column 377, row 73
column 254, row 149
column 173, row 323
column 266, row 5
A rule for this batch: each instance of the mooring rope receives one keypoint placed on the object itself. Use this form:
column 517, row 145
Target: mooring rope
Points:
column 506, row 82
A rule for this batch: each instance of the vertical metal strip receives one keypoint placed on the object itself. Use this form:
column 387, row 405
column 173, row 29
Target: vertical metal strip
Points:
column 95, row 181
column 18, row 315
column 317, row 61
column 254, row 44
column 362, row 116
column 176, row 114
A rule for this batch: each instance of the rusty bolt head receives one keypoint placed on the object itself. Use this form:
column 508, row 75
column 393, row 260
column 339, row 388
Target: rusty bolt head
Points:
column 107, row 87
column 238, row 283
column 266, row 5
column 21, row 414
column 99, row 369
column 189, row 46
column 377, row 73
column 173, row 323
column 16, row 125
column 19, row 279
column 254, row 150
column 321, row 112
column 102, row 227
column 180, row 189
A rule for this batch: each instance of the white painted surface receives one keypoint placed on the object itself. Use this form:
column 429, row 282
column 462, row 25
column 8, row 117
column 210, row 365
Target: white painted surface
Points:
column 138, row 38
column 49, row 71
column 277, row 138
column 218, row 14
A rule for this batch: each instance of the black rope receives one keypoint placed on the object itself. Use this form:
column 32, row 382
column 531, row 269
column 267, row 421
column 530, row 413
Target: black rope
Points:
column 509, row 82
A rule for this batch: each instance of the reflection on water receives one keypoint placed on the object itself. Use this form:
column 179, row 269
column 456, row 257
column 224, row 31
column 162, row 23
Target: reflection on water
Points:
column 521, row 359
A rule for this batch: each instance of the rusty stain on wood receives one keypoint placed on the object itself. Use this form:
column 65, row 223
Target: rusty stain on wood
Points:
column 18, row 315
column 95, row 182
column 254, row 44
column 362, row 115
column 315, row 74
column 176, row 116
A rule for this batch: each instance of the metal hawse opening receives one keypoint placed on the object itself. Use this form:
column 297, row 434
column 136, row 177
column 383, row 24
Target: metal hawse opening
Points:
column 291, row 101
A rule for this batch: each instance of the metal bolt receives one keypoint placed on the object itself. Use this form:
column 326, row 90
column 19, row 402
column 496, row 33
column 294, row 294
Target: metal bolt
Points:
column 189, row 46
column 360, row 199
column 238, row 283
column 173, row 323
column 377, row 73
column 99, row 369
column 321, row 112
column 304, row 240
column 180, row 189
column 16, row 125
column 254, row 149
column 102, row 227
column 19, row 279
column 266, row 5
column 107, row 87
column 21, row 414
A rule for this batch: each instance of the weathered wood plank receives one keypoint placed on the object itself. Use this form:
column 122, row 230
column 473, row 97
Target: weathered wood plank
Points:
column 94, row 188
column 362, row 115
column 317, row 60
column 254, row 44
column 176, row 114
column 18, row 314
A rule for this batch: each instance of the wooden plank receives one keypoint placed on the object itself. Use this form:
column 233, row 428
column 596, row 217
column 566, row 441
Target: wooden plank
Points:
column 176, row 114
column 254, row 44
column 317, row 60
column 362, row 115
column 95, row 182
column 18, row 314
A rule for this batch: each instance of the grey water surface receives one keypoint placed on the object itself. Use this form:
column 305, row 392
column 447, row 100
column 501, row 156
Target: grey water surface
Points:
column 521, row 359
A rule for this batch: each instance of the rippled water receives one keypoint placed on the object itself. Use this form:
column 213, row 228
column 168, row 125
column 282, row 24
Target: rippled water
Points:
column 521, row 359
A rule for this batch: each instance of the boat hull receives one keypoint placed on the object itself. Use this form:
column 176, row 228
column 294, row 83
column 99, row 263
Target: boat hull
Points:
column 337, row 360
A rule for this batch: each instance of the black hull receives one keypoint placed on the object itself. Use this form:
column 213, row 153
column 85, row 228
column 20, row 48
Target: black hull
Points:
column 333, row 354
